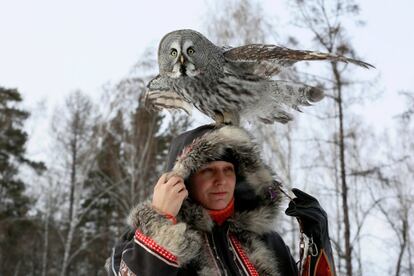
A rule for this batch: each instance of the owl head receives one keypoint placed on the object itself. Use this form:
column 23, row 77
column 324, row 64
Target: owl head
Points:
column 185, row 53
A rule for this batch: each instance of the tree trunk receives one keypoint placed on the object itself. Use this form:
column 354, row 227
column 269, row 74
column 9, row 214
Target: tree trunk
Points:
column 46, row 243
column 338, row 217
column 344, row 185
column 71, row 224
column 72, row 175
column 402, row 247
column 410, row 263
column 68, row 247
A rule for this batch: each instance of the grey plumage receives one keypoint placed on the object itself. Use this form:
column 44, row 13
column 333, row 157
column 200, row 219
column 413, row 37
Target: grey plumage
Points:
column 229, row 83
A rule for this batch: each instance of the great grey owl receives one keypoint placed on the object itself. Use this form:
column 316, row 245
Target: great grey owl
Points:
column 229, row 83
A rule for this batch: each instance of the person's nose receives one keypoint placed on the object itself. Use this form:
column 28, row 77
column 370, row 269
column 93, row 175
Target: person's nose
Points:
column 220, row 178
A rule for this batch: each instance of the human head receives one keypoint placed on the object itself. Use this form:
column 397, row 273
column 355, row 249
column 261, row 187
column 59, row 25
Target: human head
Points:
column 212, row 182
column 195, row 148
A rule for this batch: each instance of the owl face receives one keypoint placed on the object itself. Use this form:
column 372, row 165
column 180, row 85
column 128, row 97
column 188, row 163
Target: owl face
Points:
column 183, row 53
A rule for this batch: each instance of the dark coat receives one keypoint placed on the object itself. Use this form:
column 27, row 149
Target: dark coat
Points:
column 225, row 256
column 246, row 244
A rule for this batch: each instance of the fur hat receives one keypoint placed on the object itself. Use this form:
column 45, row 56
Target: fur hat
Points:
column 182, row 144
column 179, row 143
column 195, row 148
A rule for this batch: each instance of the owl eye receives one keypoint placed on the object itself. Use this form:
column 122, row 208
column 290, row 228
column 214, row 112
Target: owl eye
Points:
column 190, row 51
column 173, row 52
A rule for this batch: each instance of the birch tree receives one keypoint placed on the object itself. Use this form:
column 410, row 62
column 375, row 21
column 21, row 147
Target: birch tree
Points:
column 397, row 181
column 72, row 125
column 325, row 21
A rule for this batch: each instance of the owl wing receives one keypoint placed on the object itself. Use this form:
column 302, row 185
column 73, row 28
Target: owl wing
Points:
column 159, row 95
column 268, row 60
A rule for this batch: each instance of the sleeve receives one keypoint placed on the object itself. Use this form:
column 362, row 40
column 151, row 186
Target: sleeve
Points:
column 314, row 224
column 319, row 261
column 155, row 246
column 320, row 264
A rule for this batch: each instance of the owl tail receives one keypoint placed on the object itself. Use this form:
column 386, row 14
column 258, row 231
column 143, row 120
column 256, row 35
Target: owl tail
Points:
column 283, row 95
column 294, row 94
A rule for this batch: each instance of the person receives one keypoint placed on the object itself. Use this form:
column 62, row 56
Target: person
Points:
column 214, row 213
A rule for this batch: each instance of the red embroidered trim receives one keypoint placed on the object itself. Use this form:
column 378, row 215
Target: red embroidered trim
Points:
column 152, row 246
column 240, row 252
column 170, row 217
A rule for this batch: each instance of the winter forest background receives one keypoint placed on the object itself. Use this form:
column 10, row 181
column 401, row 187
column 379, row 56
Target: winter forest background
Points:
column 61, row 213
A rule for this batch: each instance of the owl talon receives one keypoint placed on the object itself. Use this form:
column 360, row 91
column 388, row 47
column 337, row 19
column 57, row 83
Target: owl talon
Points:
column 226, row 118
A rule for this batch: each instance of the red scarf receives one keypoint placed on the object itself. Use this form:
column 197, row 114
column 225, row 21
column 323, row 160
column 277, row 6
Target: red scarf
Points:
column 220, row 216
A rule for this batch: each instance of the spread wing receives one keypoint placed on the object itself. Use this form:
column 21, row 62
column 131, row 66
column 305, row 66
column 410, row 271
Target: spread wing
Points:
column 268, row 60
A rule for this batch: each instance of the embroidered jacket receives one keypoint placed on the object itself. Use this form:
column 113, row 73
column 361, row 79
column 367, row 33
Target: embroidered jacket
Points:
column 246, row 244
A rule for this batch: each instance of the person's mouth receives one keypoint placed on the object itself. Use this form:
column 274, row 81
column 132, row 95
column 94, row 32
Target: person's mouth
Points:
column 219, row 193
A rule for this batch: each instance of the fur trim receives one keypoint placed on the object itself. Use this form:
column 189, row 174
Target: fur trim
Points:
column 107, row 265
column 176, row 238
column 195, row 216
column 256, row 221
column 262, row 258
column 254, row 178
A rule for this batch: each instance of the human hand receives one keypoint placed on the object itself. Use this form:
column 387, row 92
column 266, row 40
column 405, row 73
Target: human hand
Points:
column 311, row 215
column 169, row 194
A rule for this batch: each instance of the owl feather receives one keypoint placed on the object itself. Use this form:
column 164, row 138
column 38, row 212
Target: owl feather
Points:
column 229, row 83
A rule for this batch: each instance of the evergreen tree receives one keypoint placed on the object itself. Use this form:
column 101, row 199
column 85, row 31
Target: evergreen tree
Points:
column 14, row 204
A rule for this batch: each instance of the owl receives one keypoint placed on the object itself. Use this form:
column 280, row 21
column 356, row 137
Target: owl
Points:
column 227, row 83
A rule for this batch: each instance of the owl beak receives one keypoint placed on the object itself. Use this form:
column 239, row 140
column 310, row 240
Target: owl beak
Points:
column 182, row 59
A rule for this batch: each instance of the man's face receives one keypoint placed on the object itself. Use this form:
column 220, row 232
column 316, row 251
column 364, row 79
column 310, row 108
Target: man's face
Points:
column 212, row 186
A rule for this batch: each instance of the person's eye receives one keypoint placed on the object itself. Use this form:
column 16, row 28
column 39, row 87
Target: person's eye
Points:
column 229, row 170
column 207, row 171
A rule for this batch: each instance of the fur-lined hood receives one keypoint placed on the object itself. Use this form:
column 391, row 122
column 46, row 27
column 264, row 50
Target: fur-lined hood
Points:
column 257, row 197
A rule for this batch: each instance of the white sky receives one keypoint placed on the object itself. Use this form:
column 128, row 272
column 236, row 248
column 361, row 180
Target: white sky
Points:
column 50, row 48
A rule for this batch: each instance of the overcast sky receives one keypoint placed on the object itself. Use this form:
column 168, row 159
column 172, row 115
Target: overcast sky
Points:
column 50, row 48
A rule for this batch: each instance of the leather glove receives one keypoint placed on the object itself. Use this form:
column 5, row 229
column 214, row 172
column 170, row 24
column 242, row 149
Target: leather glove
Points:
column 311, row 215
column 314, row 223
